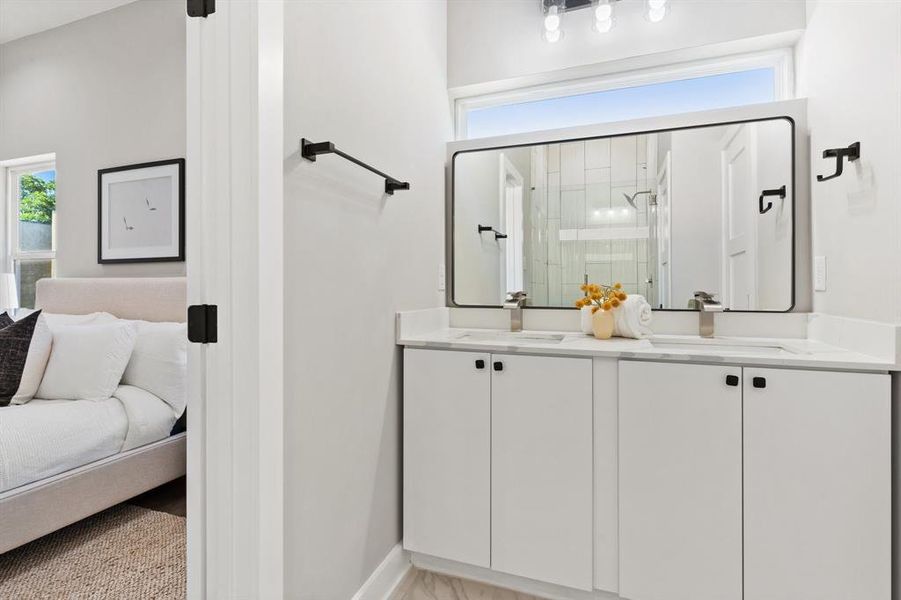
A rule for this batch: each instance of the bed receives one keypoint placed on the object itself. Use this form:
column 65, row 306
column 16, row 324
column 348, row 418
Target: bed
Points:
column 76, row 458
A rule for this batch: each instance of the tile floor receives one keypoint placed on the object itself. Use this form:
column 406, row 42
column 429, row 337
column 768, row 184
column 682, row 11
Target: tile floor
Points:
column 424, row 585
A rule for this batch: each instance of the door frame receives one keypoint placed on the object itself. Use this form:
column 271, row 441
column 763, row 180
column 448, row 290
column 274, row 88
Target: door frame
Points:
column 235, row 260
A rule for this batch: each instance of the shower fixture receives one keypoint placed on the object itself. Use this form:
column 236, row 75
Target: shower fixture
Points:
column 652, row 198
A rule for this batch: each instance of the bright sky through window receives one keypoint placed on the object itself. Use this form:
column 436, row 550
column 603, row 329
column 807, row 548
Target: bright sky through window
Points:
column 671, row 97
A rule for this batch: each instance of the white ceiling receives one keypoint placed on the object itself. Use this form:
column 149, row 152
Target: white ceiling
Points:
column 19, row 18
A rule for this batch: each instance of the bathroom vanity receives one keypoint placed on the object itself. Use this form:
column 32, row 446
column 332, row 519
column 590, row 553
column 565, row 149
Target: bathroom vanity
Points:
column 673, row 468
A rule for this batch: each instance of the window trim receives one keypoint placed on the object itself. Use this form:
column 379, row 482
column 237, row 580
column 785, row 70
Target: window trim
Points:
column 9, row 172
column 781, row 60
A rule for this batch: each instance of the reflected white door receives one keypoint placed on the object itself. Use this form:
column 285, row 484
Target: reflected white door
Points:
column 662, row 228
column 511, row 196
column 739, row 278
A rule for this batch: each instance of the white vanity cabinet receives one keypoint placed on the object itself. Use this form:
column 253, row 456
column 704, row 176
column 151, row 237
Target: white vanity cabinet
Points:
column 447, row 455
column 498, row 462
column 680, row 487
column 817, row 485
column 754, row 484
column 541, row 468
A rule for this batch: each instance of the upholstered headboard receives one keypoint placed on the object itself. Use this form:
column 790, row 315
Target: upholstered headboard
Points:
column 145, row 298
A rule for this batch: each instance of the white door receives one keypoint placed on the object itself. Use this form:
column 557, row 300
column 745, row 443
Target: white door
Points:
column 447, row 455
column 817, row 485
column 235, row 259
column 541, row 468
column 739, row 184
column 680, row 482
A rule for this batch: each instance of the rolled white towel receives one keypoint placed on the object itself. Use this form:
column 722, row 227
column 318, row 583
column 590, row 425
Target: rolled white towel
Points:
column 633, row 318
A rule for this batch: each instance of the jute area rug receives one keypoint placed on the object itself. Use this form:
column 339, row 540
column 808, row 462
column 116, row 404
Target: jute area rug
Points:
column 126, row 552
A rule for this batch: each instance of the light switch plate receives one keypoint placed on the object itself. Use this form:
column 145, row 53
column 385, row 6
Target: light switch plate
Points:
column 819, row 274
column 442, row 278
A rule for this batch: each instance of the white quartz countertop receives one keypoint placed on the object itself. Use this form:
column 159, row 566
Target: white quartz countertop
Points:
column 764, row 352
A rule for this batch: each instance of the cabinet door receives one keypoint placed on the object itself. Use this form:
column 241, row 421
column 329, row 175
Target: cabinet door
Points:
column 541, row 503
column 817, row 485
column 680, row 482
column 447, row 455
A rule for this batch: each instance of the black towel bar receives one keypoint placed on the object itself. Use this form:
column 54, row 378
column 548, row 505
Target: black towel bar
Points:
column 310, row 150
column 497, row 234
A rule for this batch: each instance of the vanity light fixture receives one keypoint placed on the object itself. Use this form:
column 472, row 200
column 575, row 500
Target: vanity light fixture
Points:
column 657, row 10
column 602, row 10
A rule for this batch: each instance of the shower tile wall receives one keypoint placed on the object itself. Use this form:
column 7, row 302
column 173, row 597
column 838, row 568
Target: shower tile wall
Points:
column 579, row 186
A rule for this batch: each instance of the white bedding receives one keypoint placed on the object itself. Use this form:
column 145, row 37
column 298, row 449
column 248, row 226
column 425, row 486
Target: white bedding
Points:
column 46, row 437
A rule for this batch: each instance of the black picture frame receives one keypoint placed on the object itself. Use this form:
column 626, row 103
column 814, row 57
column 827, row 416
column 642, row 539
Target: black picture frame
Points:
column 180, row 257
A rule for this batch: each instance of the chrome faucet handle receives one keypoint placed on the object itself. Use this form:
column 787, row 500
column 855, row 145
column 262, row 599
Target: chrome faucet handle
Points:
column 705, row 296
column 516, row 298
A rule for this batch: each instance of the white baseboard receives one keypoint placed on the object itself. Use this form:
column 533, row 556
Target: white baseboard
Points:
column 503, row 580
column 386, row 576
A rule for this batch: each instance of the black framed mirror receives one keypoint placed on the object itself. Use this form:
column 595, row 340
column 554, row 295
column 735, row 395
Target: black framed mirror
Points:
column 665, row 212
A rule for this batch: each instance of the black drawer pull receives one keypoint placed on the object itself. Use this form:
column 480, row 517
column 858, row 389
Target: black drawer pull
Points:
column 480, row 364
column 732, row 380
column 498, row 366
column 759, row 382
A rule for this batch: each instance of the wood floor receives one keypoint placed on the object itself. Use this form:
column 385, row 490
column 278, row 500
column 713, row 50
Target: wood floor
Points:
column 168, row 498
column 425, row 585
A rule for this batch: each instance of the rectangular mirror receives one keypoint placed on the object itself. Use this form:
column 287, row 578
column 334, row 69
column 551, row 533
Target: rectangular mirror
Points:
column 666, row 213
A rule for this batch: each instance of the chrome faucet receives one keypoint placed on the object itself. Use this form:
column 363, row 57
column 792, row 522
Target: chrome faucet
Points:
column 704, row 303
column 514, row 303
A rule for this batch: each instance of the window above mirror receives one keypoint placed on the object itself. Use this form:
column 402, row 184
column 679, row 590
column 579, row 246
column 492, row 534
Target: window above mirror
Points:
column 665, row 89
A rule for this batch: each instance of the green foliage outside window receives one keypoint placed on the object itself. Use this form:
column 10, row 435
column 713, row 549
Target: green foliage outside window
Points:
column 37, row 200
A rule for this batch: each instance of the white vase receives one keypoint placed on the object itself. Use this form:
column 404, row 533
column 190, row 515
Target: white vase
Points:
column 585, row 320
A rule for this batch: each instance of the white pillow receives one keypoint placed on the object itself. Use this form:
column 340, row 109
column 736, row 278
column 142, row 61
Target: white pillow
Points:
column 35, row 362
column 159, row 363
column 56, row 320
column 87, row 361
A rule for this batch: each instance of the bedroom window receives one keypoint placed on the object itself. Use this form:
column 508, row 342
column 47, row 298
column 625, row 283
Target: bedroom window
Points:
column 31, row 201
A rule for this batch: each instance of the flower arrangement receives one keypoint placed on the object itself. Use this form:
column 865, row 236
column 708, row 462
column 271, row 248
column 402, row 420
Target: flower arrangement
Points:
column 606, row 297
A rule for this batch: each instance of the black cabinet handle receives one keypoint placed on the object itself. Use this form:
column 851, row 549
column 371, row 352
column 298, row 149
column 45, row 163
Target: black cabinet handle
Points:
column 498, row 366
column 480, row 364
column 759, row 382
column 732, row 380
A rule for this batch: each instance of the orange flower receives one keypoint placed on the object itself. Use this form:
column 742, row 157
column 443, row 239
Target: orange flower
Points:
column 594, row 309
column 621, row 296
column 615, row 302
column 584, row 287
column 617, row 286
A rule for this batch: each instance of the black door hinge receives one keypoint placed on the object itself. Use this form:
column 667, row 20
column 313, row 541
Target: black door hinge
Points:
column 201, row 8
column 202, row 324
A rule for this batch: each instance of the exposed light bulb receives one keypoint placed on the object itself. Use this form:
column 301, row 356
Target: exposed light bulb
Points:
column 552, row 19
column 552, row 22
column 655, row 15
column 552, row 36
column 656, row 4
column 603, row 12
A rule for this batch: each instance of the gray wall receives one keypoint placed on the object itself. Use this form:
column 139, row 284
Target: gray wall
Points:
column 105, row 91
column 369, row 76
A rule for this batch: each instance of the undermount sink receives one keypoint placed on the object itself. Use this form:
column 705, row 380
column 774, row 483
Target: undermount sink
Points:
column 512, row 336
column 719, row 347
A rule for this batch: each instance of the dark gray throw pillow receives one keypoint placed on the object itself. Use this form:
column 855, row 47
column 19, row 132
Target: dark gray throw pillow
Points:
column 15, row 339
